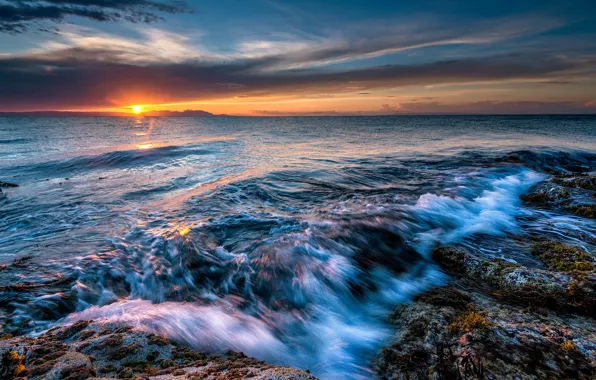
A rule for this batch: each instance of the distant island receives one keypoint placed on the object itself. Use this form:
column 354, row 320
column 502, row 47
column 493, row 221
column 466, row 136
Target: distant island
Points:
column 186, row 113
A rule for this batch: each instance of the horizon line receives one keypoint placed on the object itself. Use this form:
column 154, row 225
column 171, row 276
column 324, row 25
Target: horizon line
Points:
column 201, row 113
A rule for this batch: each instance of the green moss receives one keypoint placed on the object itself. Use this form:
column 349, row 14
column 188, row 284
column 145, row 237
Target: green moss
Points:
column 109, row 368
column 114, row 340
column 562, row 258
column 585, row 211
column 157, row 340
column 167, row 363
column 152, row 356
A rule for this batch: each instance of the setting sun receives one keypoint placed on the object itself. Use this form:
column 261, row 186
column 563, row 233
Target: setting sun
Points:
column 137, row 109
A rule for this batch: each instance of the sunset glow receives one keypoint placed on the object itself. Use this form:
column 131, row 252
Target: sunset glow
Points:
column 330, row 58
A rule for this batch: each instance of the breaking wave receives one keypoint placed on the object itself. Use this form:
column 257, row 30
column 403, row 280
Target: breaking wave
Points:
column 310, row 293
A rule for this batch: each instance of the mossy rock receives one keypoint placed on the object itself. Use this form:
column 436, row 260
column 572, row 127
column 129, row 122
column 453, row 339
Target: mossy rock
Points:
column 572, row 291
column 585, row 211
column 469, row 321
column 445, row 296
column 585, row 182
column 452, row 259
column 120, row 353
column 561, row 257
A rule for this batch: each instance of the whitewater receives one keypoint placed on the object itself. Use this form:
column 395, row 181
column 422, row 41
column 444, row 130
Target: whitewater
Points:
column 289, row 239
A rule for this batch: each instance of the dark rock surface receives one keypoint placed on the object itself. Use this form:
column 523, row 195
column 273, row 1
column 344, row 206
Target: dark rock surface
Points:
column 497, row 320
column 88, row 350
column 450, row 333
column 571, row 193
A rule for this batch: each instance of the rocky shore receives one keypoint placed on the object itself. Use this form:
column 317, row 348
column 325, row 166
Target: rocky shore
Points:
column 501, row 320
column 495, row 319
column 86, row 350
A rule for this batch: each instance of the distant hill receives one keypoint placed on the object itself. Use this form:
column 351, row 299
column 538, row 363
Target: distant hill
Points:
column 180, row 113
column 187, row 113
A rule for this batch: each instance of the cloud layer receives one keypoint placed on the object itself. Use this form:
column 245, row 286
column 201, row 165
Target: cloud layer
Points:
column 84, row 77
column 17, row 16
column 430, row 57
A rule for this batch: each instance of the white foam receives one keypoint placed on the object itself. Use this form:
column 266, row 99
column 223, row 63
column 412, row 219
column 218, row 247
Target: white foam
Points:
column 494, row 212
column 334, row 337
column 326, row 328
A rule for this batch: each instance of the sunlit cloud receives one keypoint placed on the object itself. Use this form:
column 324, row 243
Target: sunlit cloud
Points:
column 84, row 67
column 151, row 46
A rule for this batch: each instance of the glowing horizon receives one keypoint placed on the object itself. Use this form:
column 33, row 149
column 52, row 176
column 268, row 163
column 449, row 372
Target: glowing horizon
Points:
column 331, row 58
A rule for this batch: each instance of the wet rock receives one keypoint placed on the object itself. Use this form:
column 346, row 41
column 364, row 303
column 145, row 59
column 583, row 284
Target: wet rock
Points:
column 547, row 194
column 553, row 162
column 587, row 182
column 572, row 193
column 585, row 211
column 479, row 337
column 561, row 291
column 445, row 296
column 561, row 257
column 8, row 184
column 89, row 350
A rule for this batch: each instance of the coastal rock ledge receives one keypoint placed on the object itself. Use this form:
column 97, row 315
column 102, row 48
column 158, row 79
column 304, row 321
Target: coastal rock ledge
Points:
column 496, row 320
column 87, row 350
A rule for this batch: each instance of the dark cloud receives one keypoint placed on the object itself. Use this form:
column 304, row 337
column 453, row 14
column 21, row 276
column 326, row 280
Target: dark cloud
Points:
column 17, row 16
column 93, row 78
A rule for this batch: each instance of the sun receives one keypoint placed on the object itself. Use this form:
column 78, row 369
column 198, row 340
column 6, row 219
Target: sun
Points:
column 137, row 109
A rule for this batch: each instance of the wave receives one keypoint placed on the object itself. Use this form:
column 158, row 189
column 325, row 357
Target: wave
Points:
column 121, row 159
column 495, row 211
column 296, row 267
column 312, row 294
column 14, row 141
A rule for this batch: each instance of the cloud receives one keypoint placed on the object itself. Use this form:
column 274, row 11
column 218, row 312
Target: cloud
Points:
column 152, row 45
column 107, row 76
column 86, row 68
column 493, row 107
column 486, row 107
column 19, row 16
column 374, row 39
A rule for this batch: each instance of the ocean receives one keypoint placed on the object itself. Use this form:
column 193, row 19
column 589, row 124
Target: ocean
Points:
column 288, row 238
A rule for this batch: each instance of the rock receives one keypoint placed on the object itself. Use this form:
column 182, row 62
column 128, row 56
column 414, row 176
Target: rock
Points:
column 570, row 193
column 461, row 333
column 531, row 287
column 547, row 194
column 8, row 184
column 85, row 350
column 585, row 211
column 71, row 365
column 587, row 182
column 11, row 364
column 561, row 257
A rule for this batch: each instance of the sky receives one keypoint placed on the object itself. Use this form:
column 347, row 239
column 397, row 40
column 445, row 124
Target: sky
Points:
column 302, row 57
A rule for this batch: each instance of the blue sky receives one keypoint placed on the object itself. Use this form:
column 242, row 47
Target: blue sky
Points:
column 273, row 57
